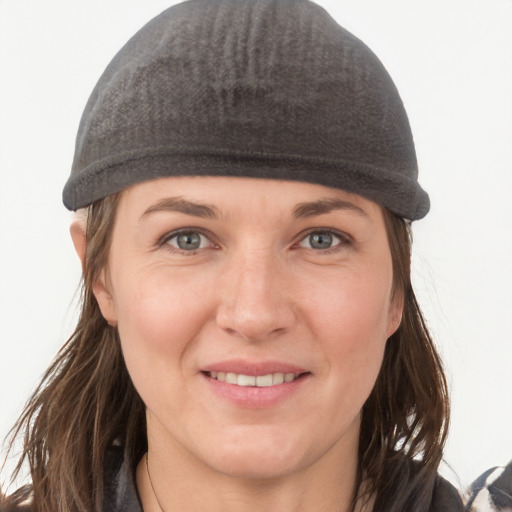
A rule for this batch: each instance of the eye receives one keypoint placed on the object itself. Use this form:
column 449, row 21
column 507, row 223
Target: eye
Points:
column 188, row 241
column 321, row 240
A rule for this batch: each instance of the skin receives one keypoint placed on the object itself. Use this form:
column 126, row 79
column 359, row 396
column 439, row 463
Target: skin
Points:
column 257, row 289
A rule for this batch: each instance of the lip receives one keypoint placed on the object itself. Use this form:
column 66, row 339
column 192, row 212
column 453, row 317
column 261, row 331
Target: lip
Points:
column 252, row 397
column 253, row 368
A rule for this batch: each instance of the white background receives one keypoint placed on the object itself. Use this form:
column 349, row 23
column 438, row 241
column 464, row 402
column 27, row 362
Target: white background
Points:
column 452, row 62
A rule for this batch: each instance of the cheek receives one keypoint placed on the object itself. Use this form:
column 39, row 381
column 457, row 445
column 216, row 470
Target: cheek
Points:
column 156, row 306
column 350, row 321
column 355, row 305
column 158, row 320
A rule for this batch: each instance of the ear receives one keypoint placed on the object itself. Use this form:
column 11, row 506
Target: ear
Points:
column 100, row 287
column 77, row 231
column 101, row 290
column 396, row 310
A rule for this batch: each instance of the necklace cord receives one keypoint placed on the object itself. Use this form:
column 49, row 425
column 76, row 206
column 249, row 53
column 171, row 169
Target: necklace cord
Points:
column 354, row 506
column 151, row 483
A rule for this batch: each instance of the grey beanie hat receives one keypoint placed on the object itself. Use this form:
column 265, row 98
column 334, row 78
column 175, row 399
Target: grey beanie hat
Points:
column 253, row 88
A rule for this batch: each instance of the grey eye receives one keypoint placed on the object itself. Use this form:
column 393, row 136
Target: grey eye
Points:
column 320, row 240
column 188, row 241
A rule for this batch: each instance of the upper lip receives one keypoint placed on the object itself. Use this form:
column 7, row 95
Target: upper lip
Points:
column 253, row 368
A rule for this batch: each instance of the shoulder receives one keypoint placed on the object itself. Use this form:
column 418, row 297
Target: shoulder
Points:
column 413, row 486
column 430, row 492
column 445, row 497
column 18, row 502
column 119, row 488
column 15, row 508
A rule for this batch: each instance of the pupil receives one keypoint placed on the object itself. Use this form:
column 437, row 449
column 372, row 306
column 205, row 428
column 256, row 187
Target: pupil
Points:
column 321, row 240
column 189, row 241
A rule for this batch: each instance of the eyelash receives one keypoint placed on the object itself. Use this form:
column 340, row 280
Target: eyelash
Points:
column 343, row 240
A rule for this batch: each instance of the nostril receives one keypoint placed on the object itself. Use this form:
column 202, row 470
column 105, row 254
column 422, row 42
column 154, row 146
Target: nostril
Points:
column 254, row 304
column 253, row 325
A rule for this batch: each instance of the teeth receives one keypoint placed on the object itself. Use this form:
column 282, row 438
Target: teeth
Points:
column 231, row 378
column 278, row 378
column 246, row 380
column 261, row 381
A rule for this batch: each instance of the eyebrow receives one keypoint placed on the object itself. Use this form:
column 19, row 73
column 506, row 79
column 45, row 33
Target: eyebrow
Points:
column 202, row 210
column 178, row 204
column 322, row 206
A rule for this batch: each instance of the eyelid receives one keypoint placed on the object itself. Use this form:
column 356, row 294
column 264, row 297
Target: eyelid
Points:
column 336, row 232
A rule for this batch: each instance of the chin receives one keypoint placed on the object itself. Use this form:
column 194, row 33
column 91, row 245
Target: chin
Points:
column 257, row 455
column 261, row 468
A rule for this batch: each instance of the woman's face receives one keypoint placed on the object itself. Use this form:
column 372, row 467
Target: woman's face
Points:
column 253, row 316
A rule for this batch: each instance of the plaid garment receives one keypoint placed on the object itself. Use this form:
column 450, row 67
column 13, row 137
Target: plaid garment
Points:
column 491, row 491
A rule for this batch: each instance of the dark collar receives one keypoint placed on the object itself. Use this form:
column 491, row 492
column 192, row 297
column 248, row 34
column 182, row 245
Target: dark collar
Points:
column 120, row 490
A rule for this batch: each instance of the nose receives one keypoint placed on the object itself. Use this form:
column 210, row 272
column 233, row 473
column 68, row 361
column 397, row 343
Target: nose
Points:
column 255, row 297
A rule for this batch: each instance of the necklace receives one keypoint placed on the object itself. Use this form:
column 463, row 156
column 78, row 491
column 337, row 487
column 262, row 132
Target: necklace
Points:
column 151, row 482
column 156, row 496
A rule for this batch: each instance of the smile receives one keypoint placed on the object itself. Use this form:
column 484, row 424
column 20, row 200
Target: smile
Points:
column 260, row 381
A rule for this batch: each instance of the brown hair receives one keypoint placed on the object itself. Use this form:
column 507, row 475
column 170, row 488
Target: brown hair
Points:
column 86, row 401
column 407, row 413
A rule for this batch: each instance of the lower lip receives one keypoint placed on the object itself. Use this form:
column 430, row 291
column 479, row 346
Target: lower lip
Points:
column 253, row 397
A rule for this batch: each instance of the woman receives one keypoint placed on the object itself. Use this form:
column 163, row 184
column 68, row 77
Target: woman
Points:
column 249, row 338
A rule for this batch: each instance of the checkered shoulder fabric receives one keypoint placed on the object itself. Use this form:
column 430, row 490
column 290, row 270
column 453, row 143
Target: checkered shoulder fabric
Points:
column 491, row 491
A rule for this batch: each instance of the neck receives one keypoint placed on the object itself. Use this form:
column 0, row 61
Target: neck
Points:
column 176, row 481
column 302, row 495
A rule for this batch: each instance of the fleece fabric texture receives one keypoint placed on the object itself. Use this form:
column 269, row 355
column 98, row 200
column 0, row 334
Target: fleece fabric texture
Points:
column 251, row 88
